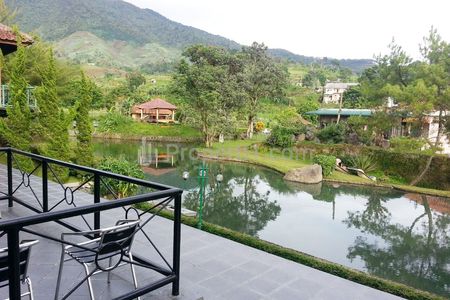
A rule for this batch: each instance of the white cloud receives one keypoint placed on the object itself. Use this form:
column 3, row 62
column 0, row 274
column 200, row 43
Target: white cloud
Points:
column 341, row 29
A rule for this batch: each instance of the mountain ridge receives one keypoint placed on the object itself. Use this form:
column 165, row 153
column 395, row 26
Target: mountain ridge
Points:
column 117, row 20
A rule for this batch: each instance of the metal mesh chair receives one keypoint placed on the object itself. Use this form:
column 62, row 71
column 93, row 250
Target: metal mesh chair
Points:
column 97, row 255
column 25, row 251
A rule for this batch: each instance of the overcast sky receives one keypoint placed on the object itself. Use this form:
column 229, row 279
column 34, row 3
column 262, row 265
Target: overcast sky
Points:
column 339, row 29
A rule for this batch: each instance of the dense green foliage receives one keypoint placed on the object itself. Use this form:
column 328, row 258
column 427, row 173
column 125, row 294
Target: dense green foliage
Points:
column 16, row 129
column 281, row 137
column 83, row 152
column 332, row 134
column 261, row 78
column 404, row 144
column 53, row 122
column 120, row 166
column 327, row 162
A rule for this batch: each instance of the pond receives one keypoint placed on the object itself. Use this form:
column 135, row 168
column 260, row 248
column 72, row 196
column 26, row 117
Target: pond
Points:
column 404, row 237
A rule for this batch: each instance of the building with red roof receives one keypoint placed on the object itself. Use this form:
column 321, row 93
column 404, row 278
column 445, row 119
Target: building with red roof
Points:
column 156, row 110
column 8, row 39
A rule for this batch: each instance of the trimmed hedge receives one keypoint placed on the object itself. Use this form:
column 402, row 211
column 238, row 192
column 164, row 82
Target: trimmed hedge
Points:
column 308, row 260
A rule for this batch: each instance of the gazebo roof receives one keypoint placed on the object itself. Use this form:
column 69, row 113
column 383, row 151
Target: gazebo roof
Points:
column 8, row 39
column 156, row 103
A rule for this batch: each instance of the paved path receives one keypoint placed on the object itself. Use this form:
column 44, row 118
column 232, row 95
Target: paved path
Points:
column 211, row 267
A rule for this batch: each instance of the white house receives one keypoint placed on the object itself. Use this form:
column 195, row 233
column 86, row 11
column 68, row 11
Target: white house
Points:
column 430, row 131
column 334, row 91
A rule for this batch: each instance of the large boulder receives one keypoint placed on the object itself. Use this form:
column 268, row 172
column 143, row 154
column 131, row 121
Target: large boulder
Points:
column 309, row 174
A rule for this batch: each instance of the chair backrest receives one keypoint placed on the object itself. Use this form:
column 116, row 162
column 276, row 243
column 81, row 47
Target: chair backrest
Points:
column 118, row 238
column 24, row 259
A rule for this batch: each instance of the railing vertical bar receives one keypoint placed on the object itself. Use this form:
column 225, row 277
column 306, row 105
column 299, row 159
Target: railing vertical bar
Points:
column 10, row 179
column 14, row 263
column 45, row 185
column 176, row 245
column 97, row 200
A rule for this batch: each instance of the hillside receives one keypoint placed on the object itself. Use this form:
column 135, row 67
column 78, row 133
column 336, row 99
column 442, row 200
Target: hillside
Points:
column 119, row 34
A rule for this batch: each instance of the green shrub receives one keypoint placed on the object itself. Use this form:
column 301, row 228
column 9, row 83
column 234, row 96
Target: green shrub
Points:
column 358, row 126
column 332, row 134
column 281, row 137
column 406, row 144
column 367, row 163
column 122, row 167
column 327, row 162
column 113, row 121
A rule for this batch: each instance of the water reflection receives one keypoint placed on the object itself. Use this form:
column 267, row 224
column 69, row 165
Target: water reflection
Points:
column 236, row 202
column 398, row 236
column 416, row 252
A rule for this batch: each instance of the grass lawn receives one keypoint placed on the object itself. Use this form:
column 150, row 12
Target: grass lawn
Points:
column 239, row 150
column 146, row 129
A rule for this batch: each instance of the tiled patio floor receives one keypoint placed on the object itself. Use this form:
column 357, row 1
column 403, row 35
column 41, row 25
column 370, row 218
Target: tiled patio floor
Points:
column 211, row 267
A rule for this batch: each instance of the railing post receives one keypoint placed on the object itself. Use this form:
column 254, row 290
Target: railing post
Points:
column 96, row 200
column 10, row 179
column 14, row 263
column 45, row 185
column 176, row 245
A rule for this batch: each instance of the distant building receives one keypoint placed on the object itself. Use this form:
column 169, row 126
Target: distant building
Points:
column 155, row 111
column 334, row 91
column 330, row 115
column 428, row 130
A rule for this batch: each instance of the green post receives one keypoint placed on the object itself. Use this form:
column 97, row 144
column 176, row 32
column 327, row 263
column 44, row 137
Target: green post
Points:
column 202, row 176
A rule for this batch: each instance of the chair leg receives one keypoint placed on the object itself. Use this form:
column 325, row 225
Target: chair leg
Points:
column 58, row 282
column 133, row 272
column 109, row 272
column 30, row 288
column 89, row 282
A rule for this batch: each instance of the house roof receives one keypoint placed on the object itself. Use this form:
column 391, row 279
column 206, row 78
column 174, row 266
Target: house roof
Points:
column 344, row 112
column 156, row 103
column 8, row 39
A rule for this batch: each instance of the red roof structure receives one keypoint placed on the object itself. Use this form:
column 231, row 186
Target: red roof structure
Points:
column 157, row 110
column 8, row 39
column 156, row 103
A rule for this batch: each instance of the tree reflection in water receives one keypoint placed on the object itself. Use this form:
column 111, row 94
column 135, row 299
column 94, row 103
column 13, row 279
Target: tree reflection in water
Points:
column 249, row 211
column 419, row 253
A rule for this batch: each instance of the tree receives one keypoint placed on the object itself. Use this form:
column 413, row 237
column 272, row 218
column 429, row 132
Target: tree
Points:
column 52, row 122
column 434, row 88
column 6, row 15
column 209, row 84
column 353, row 98
column 135, row 80
column 83, row 151
column 16, row 128
column 262, row 78
column 420, row 87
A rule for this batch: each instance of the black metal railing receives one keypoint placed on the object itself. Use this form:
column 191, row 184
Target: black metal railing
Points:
column 160, row 195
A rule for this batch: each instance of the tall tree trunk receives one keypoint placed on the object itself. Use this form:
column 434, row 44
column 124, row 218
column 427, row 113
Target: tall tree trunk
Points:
column 436, row 144
column 250, row 127
column 340, row 109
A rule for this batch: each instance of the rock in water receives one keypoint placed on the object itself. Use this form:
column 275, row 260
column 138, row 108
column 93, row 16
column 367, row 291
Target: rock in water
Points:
column 309, row 174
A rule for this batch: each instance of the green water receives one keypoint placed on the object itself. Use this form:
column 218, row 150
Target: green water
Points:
column 390, row 234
